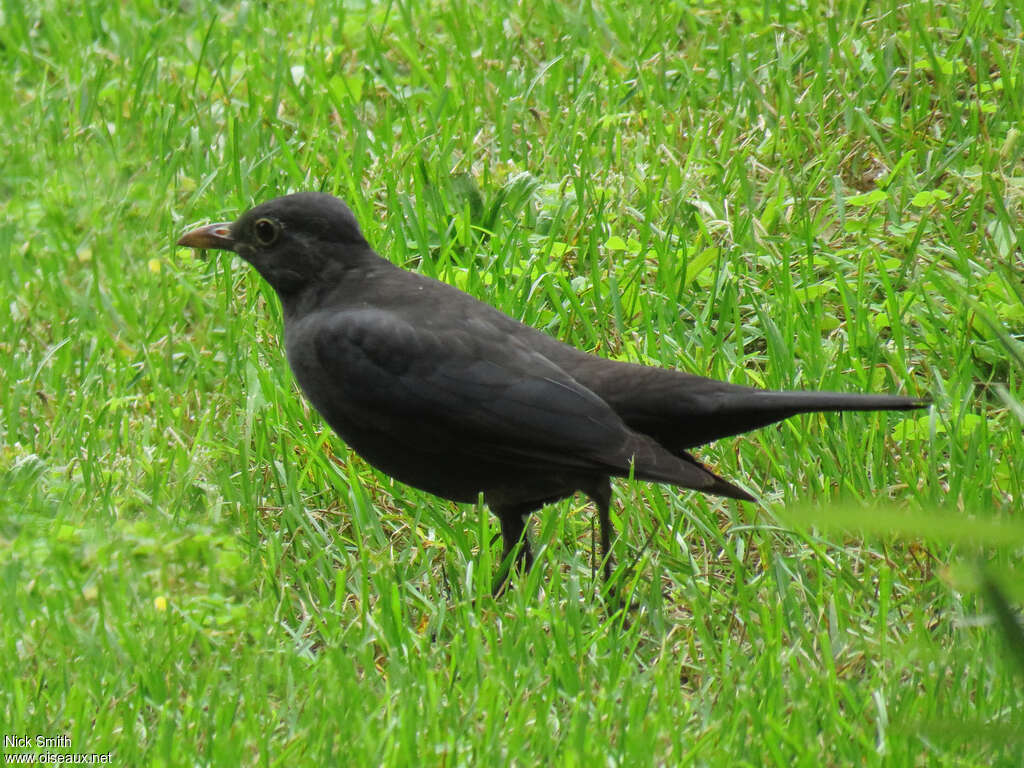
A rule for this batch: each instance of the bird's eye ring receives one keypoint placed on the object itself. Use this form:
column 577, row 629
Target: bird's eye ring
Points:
column 266, row 231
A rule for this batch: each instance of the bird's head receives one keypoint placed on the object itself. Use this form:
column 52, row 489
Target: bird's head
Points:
column 292, row 241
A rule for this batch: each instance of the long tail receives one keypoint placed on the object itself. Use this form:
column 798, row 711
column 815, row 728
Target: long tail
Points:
column 734, row 410
column 682, row 411
column 816, row 402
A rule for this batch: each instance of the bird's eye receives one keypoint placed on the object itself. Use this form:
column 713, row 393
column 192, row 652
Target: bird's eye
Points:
column 266, row 231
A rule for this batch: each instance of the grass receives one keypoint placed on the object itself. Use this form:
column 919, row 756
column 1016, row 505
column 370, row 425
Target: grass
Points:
column 790, row 195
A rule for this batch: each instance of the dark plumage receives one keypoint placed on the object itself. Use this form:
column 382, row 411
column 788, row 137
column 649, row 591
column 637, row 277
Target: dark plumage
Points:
column 449, row 395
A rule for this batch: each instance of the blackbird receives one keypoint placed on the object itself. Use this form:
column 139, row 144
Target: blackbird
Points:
column 449, row 395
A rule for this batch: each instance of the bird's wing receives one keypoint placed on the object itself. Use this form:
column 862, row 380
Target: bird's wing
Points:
column 474, row 386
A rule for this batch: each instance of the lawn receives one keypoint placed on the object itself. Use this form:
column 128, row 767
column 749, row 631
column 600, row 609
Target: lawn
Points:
column 196, row 571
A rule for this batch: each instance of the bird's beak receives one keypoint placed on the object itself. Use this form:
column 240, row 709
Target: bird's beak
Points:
column 210, row 237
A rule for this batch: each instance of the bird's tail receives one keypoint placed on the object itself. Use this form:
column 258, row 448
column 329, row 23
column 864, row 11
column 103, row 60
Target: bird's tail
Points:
column 730, row 411
column 735, row 410
column 682, row 411
column 815, row 402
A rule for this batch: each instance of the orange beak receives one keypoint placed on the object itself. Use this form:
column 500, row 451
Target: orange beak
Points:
column 209, row 238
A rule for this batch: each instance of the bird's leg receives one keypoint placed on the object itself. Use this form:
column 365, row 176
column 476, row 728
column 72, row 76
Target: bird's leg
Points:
column 601, row 493
column 513, row 530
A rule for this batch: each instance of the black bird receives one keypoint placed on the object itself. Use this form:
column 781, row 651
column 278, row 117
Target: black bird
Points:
column 449, row 395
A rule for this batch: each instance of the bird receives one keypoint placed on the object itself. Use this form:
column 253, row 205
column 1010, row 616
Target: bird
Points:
column 447, row 394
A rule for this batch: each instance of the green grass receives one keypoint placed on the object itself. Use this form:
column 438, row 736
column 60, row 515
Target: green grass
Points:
column 790, row 195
